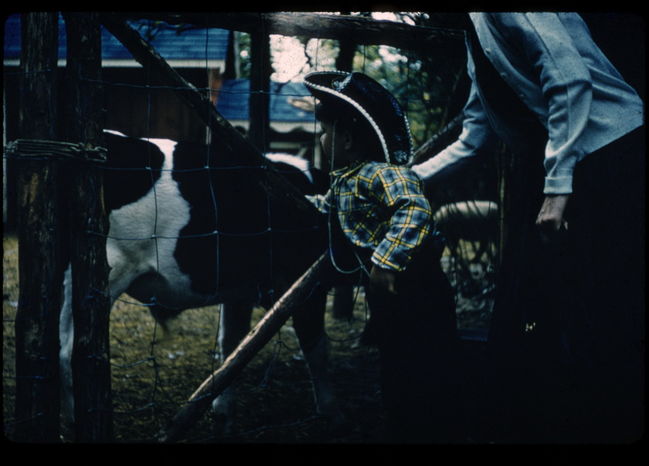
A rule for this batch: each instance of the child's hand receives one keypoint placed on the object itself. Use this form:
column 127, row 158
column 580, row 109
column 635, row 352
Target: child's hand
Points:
column 383, row 279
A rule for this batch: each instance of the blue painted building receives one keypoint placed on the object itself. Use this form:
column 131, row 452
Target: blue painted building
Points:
column 290, row 107
column 182, row 48
column 137, row 102
column 200, row 56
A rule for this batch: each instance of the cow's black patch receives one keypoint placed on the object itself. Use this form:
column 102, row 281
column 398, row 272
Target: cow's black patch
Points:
column 133, row 166
column 318, row 185
column 238, row 236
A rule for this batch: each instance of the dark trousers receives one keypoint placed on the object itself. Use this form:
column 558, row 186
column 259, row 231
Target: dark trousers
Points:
column 417, row 341
column 566, row 347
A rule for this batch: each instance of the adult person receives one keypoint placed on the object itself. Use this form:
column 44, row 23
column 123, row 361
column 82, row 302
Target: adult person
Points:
column 566, row 341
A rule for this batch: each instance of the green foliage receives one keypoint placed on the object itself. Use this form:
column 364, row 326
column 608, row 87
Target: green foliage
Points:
column 244, row 55
column 426, row 85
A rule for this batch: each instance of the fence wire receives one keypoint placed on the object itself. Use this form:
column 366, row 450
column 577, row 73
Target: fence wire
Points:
column 154, row 372
column 137, row 344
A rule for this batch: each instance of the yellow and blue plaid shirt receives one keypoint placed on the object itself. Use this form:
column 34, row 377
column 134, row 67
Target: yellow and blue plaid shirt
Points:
column 380, row 207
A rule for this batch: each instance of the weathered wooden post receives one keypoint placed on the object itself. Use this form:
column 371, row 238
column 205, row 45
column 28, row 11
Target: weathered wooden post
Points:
column 88, row 227
column 40, row 254
column 343, row 300
column 260, row 69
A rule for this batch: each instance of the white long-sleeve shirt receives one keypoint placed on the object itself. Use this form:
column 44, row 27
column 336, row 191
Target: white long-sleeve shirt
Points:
column 551, row 62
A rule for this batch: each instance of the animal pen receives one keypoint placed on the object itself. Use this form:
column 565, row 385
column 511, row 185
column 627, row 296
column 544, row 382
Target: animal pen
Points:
column 61, row 212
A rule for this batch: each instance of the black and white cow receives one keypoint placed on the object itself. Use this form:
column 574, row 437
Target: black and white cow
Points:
column 184, row 236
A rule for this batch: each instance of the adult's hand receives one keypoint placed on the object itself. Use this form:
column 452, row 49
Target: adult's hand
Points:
column 551, row 216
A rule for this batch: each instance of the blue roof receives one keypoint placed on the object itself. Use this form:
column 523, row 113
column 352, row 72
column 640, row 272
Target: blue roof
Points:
column 234, row 94
column 170, row 41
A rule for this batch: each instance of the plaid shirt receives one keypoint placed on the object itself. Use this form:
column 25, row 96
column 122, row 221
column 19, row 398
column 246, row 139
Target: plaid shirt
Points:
column 381, row 207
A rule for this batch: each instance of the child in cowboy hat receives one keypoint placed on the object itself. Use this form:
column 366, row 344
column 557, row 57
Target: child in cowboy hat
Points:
column 378, row 205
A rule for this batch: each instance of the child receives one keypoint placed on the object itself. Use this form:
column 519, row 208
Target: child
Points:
column 379, row 206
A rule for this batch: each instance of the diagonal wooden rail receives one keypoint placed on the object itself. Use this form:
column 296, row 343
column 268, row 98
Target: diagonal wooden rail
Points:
column 222, row 131
column 261, row 334
column 362, row 30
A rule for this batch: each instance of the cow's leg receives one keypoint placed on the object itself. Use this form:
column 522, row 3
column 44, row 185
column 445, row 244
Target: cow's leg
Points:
column 308, row 322
column 234, row 325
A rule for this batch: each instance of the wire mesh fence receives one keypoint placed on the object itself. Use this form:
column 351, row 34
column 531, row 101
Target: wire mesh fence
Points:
column 154, row 370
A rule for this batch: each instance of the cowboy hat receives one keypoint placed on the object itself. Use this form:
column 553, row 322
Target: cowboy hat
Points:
column 367, row 98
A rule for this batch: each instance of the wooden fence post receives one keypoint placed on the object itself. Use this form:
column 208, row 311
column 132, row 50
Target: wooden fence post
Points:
column 88, row 227
column 40, row 253
column 259, row 118
column 343, row 301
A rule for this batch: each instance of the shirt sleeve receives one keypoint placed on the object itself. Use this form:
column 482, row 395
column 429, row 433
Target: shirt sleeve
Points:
column 476, row 136
column 401, row 191
column 566, row 86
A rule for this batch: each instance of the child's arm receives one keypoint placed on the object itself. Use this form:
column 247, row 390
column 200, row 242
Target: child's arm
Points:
column 401, row 192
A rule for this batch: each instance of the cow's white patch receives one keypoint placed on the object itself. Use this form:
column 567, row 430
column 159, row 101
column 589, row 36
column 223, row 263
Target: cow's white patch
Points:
column 115, row 132
column 295, row 161
column 142, row 240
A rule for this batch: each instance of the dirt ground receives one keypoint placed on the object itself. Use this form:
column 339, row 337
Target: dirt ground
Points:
column 153, row 373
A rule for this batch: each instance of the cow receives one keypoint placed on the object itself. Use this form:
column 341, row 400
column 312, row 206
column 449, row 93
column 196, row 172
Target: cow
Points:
column 190, row 225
